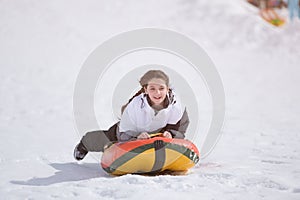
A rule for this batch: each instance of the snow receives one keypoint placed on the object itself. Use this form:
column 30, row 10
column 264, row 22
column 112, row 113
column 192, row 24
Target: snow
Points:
column 44, row 44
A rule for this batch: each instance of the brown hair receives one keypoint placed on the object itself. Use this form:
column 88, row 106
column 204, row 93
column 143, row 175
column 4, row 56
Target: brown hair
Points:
column 151, row 74
column 144, row 80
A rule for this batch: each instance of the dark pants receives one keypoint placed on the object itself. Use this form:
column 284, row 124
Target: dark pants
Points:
column 96, row 140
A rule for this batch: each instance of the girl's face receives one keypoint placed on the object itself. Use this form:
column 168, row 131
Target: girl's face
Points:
column 157, row 91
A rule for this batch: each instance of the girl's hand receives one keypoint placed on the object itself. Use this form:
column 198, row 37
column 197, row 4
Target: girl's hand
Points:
column 167, row 134
column 143, row 135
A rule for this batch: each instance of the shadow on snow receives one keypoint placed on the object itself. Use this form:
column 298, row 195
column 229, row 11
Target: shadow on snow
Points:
column 67, row 172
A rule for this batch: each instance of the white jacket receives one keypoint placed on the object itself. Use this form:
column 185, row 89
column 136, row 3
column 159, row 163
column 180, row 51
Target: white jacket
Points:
column 140, row 117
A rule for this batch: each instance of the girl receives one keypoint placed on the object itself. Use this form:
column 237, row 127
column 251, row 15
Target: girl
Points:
column 153, row 109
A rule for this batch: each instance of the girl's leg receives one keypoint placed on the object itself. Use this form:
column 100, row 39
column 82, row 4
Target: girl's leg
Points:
column 95, row 141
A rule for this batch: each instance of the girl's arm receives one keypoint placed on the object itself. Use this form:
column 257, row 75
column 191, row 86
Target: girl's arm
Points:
column 127, row 127
column 178, row 130
column 126, row 136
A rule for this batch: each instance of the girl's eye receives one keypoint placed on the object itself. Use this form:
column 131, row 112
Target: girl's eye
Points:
column 153, row 88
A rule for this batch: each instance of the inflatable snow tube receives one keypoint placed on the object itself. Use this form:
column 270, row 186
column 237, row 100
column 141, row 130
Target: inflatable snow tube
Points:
column 150, row 156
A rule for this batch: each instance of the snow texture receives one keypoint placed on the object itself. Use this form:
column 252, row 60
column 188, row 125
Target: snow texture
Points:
column 44, row 44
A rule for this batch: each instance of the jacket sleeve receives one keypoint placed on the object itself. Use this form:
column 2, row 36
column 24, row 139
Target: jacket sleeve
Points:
column 178, row 130
column 126, row 136
column 127, row 128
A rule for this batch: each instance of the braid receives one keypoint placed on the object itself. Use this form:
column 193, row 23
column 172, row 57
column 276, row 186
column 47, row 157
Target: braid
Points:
column 136, row 94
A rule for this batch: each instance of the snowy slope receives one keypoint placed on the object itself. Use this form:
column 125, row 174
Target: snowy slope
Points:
column 43, row 45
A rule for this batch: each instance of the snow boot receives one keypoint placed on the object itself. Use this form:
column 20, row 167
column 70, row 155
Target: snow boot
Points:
column 80, row 151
